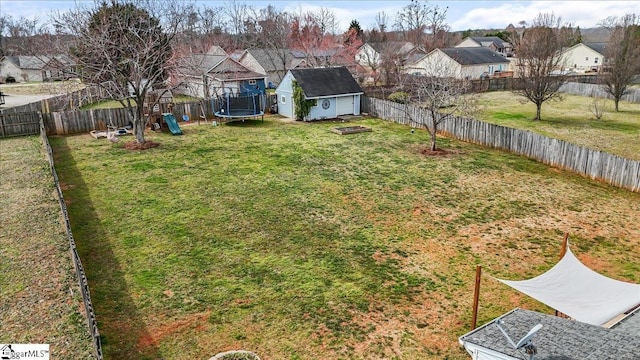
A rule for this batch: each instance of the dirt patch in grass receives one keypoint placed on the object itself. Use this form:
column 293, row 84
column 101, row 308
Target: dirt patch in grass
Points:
column 437, row 152
column 134, row 145
column 164, row 328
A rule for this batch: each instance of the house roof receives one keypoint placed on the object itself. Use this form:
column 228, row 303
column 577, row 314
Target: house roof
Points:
column 474, row 55
column 558, row 339
column 598, row 47
column 216, row 50
column 229, row 69
column 38, row 62
column 485, row 41
column 321, row 82
column 272, row 60
column 220, row 67
column 400, row 46
column 200, row 64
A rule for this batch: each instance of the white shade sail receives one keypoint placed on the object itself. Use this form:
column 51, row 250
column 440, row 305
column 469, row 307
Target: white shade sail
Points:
column 579, row 292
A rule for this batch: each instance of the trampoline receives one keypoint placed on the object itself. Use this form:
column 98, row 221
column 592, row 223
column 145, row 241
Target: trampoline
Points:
column 240, row 106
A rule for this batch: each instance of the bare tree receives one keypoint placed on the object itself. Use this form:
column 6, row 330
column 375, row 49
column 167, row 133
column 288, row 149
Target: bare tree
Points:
column 412, row 20
column 125, row 48
column 538, row 56
column 443, row 94
column 622, row 55
column 237, row 13
column 23, row 36
column 211, row 20
column 382, row 21
column 378, row 31
column 598, row 107
column 437, row 27
column 269, row 33
column 308, row 37
column 327, row 21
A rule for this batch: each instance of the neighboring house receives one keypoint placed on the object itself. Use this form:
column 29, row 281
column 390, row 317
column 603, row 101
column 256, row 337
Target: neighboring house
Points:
column 370, row 55
column 584, row 57
column 273, row 62
column 60, row 67
column 37, row 68
column 10, row 67
column 216, row 50
column 206, row 76
column 494, row 43
column 463, row 63
column 558, row 339
column 334, row 89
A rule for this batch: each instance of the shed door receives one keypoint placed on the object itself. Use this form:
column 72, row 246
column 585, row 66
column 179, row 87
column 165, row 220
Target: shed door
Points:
column 345, row 105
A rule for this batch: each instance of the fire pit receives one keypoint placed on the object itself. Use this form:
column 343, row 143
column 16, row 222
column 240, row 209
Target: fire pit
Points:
column 350, row 130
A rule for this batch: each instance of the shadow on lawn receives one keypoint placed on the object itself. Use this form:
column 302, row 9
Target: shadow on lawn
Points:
column 120, row 324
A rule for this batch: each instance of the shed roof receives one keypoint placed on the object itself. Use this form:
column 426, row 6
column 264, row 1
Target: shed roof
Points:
column 320, row 82
column 559, row 338
column 474, row 55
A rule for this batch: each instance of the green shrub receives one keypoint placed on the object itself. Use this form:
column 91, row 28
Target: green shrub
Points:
column 399, row 97
column 302, row 105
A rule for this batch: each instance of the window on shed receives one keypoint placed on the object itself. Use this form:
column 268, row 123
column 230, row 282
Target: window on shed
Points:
column 283, row 99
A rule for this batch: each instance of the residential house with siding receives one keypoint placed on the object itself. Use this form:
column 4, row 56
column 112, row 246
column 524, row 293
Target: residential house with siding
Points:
column 464, row 63
column 370, row 55
column 272, row 62
column 37, row 68
column 494, row 43
column 206, row 76
column 584, row 57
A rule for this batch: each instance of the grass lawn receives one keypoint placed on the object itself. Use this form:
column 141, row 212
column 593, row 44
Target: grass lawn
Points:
column 40, row 299
column 286, row 239
column 571, row 120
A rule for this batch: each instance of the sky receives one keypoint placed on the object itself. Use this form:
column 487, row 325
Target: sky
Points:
column 461, row 15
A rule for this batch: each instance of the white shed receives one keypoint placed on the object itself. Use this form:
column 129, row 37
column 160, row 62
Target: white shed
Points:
column 335, row 90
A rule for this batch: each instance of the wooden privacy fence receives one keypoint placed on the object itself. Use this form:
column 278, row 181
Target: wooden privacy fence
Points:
column 596, row 90
column 598, row 165
column 17, row 124
column 77, row 264
column 70, row 101
column 82, row 121
column 77, row 122
column 70, row 122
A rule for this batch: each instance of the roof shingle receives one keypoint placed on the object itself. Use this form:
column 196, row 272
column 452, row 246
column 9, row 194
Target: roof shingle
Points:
column 320, row 82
